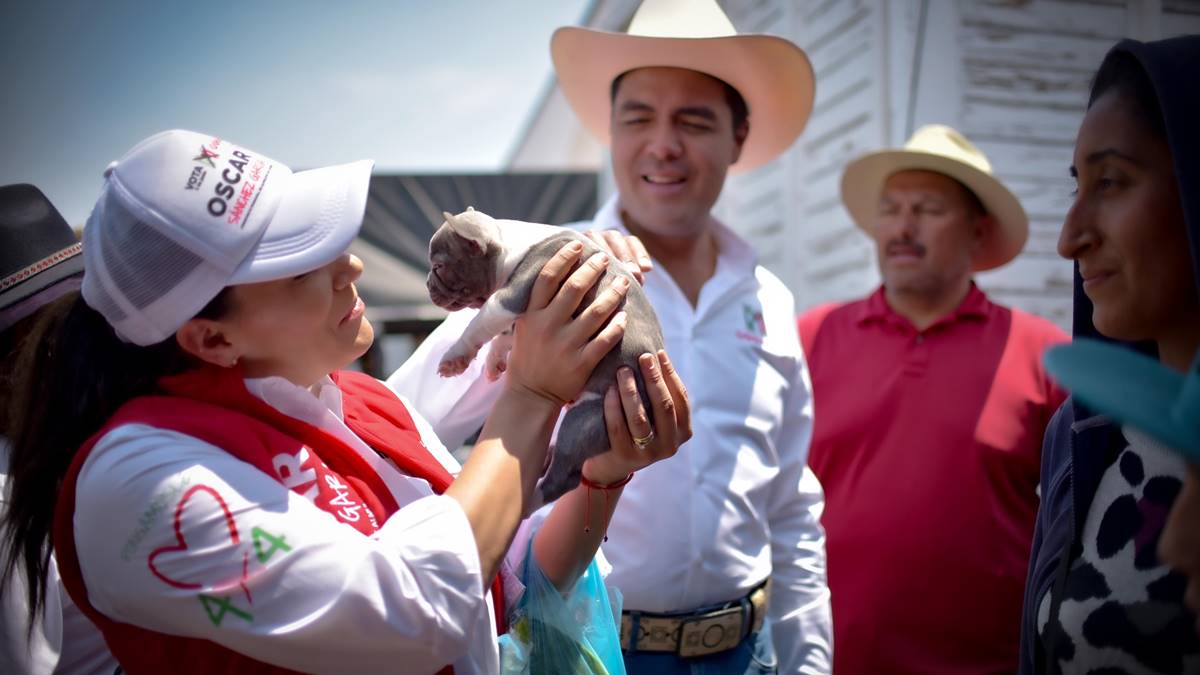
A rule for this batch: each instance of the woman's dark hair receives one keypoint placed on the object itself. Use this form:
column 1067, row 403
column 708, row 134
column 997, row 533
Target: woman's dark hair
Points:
column 737, row 104
column 1121, row 72
column 12, row 341
column 71, row 375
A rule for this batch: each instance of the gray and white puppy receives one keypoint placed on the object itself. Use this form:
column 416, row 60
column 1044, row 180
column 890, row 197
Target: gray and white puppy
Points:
column 489, row 264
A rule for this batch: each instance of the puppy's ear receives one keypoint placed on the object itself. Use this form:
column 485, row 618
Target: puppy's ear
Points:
column 470, row 247
column 475, row 226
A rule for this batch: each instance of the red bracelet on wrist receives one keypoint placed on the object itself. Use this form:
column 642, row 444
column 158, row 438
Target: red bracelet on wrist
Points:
column 587, row 506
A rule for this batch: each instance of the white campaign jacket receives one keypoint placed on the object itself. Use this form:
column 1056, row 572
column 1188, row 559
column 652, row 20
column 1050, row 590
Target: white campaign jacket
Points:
column 407, row 599
column 737, row 503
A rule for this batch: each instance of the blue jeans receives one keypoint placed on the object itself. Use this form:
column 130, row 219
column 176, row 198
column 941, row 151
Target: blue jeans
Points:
column 754, row 656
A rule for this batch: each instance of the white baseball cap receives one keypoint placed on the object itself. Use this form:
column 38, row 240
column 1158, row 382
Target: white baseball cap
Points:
column 184, row 214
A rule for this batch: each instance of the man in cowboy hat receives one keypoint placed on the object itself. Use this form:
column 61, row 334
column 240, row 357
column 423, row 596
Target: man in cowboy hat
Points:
column 681, row 99
column 931, row 401
column 39, row 263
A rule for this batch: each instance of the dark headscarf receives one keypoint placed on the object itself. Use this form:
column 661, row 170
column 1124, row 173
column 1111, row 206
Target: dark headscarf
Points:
column 1173, row 69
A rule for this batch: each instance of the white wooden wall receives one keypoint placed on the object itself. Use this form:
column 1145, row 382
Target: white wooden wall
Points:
column 1010, row 74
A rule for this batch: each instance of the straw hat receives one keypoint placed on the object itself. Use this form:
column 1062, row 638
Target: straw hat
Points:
column 939, row 148
column 1132, row 388
column 772, row 74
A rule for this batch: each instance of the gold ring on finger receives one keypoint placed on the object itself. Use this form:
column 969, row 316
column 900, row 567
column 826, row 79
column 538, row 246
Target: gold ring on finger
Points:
column 644, row 441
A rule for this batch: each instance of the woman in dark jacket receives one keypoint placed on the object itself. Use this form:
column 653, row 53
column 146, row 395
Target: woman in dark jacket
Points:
column 1098, row 599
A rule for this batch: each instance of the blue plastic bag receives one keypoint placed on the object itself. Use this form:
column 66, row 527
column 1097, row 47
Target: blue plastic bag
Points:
column 553, row 633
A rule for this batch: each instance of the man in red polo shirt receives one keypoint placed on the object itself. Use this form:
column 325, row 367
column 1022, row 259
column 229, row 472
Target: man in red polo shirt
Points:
column 930, row 404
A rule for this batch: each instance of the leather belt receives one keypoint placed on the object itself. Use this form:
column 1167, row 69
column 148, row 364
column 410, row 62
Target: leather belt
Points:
column 708, row 630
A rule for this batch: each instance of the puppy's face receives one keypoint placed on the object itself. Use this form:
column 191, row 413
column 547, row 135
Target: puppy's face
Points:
column 462, row 271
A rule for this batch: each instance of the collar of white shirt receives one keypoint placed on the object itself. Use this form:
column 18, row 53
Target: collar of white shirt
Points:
column 308, row 405
column 321, row 406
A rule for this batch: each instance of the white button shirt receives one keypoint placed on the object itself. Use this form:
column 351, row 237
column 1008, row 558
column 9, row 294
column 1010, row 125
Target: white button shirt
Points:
column 736, row 504
column 298, row 588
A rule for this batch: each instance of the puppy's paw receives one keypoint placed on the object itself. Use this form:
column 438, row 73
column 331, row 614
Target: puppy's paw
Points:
column 456, row 360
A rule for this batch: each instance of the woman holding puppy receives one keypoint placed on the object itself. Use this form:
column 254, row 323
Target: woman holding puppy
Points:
column 226, row 501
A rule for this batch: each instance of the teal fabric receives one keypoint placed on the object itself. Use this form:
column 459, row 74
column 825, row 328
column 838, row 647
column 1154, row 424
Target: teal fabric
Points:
column 572, row 634
column 1132, row 388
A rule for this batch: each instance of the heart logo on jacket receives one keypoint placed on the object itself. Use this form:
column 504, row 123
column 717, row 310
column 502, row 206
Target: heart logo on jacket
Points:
column 169, row 556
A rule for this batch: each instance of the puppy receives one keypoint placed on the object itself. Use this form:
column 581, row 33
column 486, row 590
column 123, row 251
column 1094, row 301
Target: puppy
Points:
column 491, row 265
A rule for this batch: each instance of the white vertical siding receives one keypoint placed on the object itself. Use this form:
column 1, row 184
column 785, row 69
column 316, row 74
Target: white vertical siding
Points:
column 1026, row 78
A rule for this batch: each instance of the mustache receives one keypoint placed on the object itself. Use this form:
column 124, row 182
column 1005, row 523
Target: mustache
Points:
column 903, row 246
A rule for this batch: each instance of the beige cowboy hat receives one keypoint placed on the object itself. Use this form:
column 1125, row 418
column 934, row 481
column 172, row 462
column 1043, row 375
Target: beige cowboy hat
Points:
column 939, row 148
column 772, row 74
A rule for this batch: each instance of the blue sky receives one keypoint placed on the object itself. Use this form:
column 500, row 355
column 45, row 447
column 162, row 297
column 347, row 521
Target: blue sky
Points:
column 419, row 86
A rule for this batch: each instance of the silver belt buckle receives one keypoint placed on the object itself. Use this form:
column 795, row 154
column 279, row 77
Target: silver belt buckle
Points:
column 711, row 633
